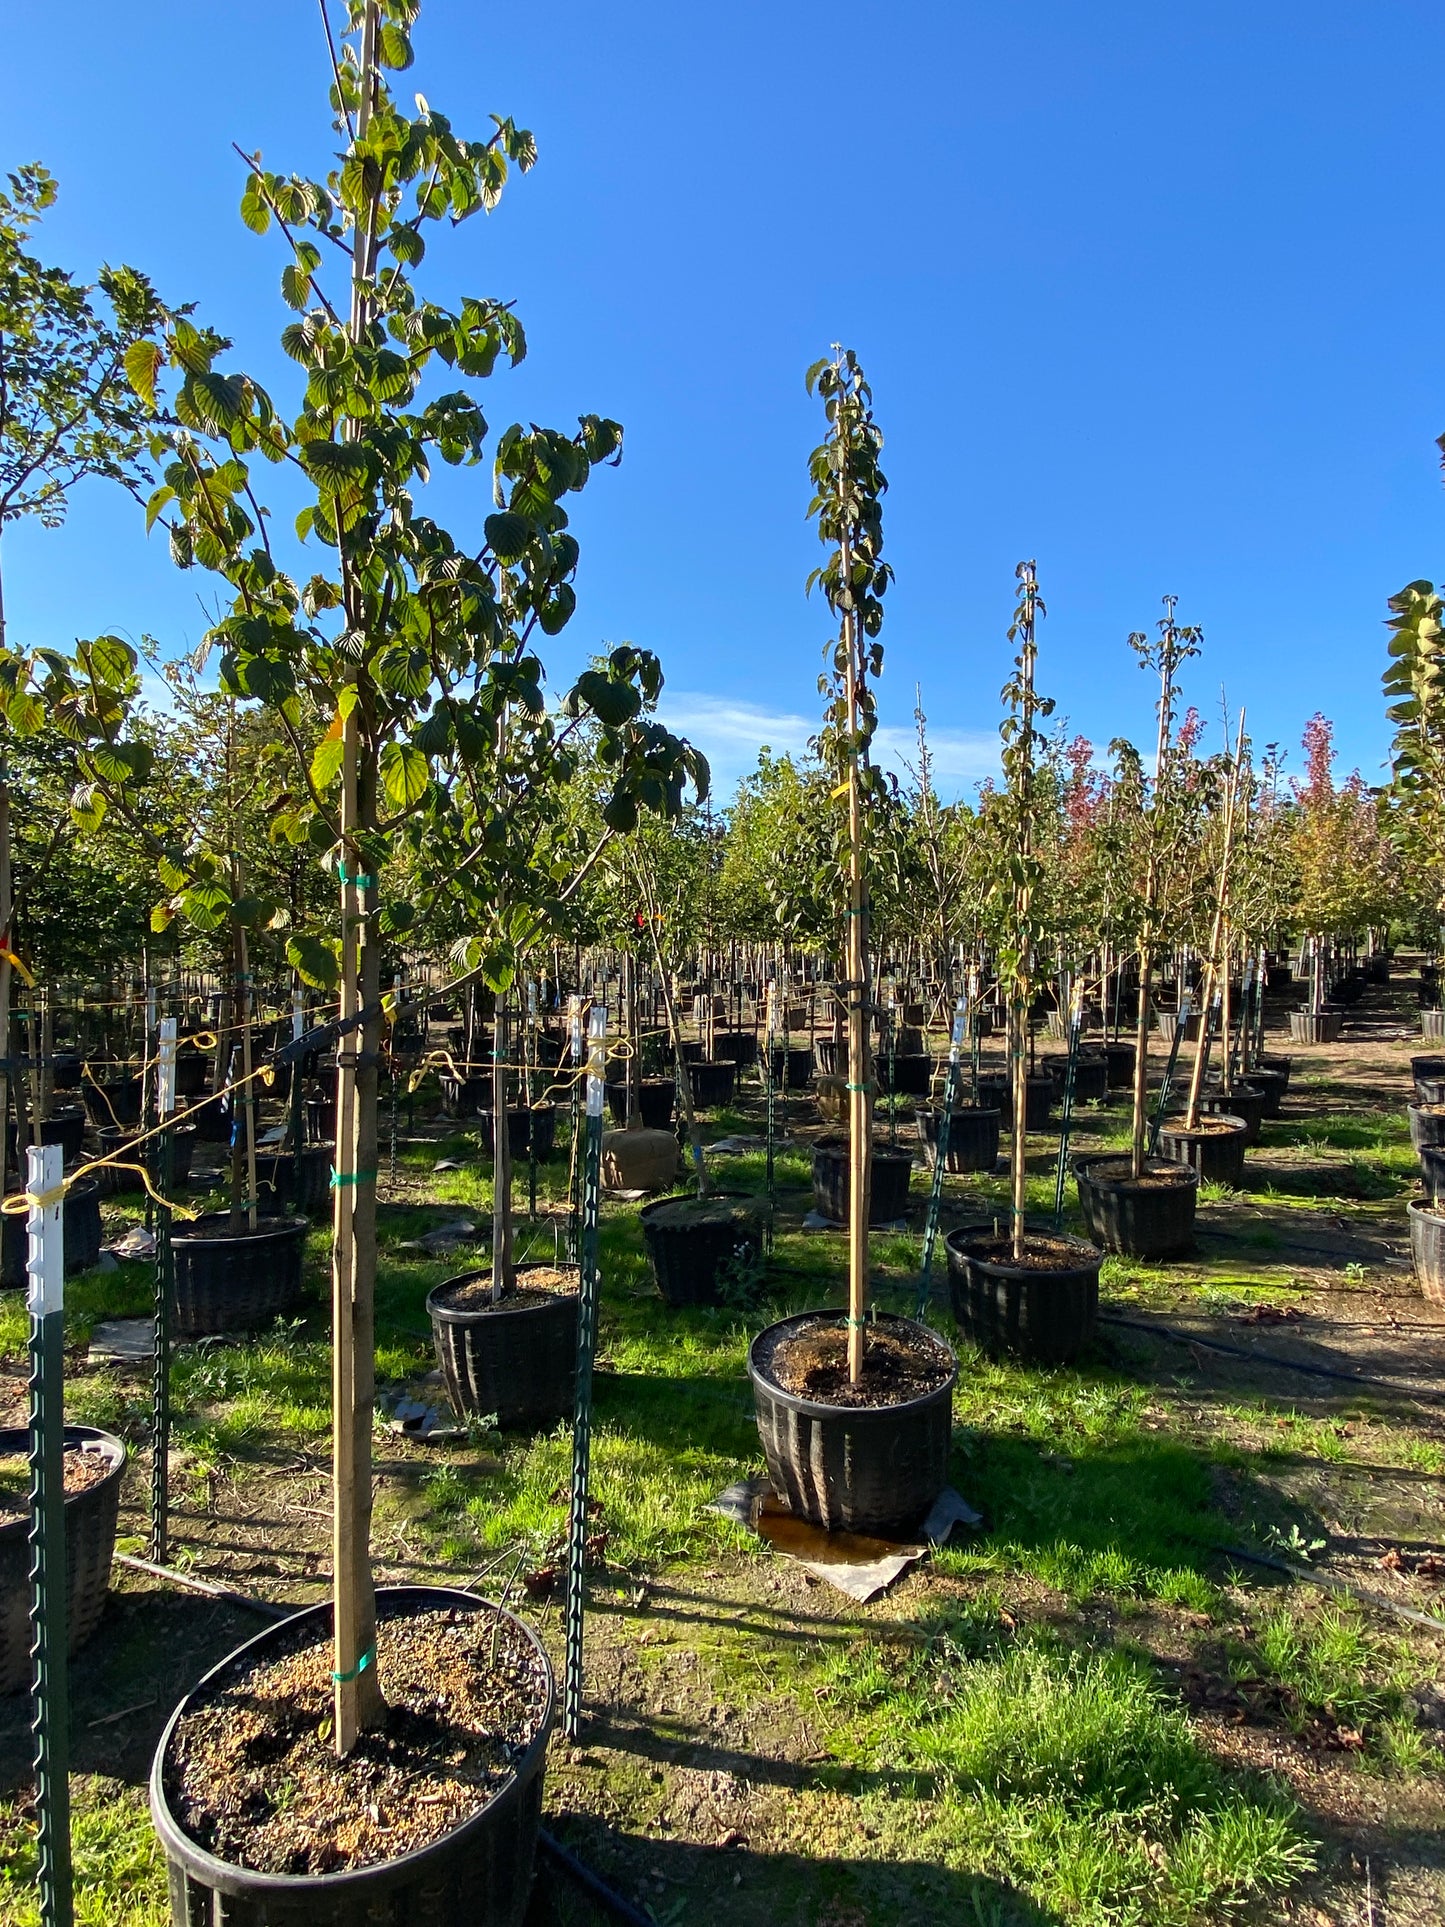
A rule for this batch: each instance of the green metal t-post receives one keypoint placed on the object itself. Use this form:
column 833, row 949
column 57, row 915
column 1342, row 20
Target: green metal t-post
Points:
column 586, row 1352
column 45, row 1268
column 940, row 1150
column 163, row 1171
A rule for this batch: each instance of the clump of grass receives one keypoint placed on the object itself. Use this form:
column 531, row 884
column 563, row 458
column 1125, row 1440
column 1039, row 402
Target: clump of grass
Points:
column 1332, row 1665
column 120, row 1878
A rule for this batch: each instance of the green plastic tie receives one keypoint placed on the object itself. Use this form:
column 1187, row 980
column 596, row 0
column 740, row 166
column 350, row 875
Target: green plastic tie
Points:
column 340, row 1179
column 358, row 877
column 345, row 1679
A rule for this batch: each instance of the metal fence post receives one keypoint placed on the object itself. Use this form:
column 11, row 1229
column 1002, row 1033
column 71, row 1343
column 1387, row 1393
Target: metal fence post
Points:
column 586, row 1351
column 163, row 1170
column 45, row 1267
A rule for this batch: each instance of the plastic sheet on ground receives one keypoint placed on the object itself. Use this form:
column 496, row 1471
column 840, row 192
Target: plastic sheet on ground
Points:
column 859, row 1565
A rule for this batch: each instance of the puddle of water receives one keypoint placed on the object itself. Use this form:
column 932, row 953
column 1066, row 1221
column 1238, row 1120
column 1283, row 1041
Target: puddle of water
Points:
column 800, row 1540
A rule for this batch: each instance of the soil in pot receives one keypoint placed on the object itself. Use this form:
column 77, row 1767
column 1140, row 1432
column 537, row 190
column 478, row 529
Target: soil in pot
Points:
column 228, row 1281
column 246, row 1772
column 1151, row 1216
column 515, row 1358
column 1040, row 1306
column 861, row 1459
column 832, row 1182
column 94, row 1462
column 1215, row 1147
column 973, row 1133
column 703, row 1250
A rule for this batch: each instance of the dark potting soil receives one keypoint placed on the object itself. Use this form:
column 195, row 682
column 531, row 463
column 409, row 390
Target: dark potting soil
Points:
column 898, row 1365
column 252, row 1777
column 1117, row 1170
column 541, row 1288
column 1206, row 1127
column 82, row 1470
column 1039, row 1253
column 691, row 1211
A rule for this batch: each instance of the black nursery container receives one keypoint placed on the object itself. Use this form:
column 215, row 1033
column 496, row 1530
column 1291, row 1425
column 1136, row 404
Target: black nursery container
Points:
column 134, row 1153
column 1429, row 1076
column 904, row 1076
column 80, row 1216
column 1091, row 1075
column 1272, row 1085
column 1427, row 1125
column 853, row 1468
column 1245, row 1101
column 1046, row 1316
column 242, row 1281
column 276, row 1181
column 738, row 1047
column 1152, row 1219
column 90, row 1520
column 995, row 1091
column 797, row 1059
column 531, row 1131
column 517, row 1362
column 973, row 1133
column 712, row 1082
column 655, row 1099
column 65, row 1126
column 478, row 1875
column 113, row 1100
column 1119, row 1059
column 691, row 1241
column 1217, row 1155
column 888, row 1196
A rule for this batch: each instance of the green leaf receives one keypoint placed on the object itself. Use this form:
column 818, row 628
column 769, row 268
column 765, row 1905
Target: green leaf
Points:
column 509, row 535
column 326, row 762
column 394, row 47
column 613, row 703
column 315, row 961
column 254, row 211
column 143, row 360
column 405, row 774
column 163, row 915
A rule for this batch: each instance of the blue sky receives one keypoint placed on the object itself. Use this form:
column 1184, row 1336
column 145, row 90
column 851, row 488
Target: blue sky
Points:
column 1144, row 292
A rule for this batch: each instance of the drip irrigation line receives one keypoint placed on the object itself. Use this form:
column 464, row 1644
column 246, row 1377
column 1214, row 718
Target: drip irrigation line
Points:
column 614, row 1903
column 1331, row 1582
column 1269, row 1358
column 185, row 1580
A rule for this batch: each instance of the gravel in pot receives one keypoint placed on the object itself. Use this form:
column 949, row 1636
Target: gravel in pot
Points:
column 1151, row 1216
column 702, row 1249
column 228, row 1281
column 515, row 1359
column 94, row 1463
column 431, row 1821
column 866, row 1458
column 1040, row 1307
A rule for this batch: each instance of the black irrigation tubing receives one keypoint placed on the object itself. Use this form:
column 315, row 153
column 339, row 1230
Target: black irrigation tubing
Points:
column 1331, row 1582
column 1158, row 1330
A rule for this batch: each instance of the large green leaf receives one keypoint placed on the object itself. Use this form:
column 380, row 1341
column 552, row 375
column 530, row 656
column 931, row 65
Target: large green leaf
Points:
column 405, row 775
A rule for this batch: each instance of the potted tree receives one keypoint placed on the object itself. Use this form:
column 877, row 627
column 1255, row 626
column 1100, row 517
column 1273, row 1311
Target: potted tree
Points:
column 1141, row 1206
column 1033, row 1293
column 855, row 1412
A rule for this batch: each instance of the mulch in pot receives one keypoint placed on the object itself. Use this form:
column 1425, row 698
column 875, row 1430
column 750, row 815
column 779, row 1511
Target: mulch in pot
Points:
column 898, row 1365
column 1040, row 1253
column 252, row 1776
column 475, row 1294
column 82, row 1470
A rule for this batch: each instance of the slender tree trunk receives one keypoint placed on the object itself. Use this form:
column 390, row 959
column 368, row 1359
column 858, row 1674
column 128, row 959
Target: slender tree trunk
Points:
column 859, row 1076
column 501, row 1155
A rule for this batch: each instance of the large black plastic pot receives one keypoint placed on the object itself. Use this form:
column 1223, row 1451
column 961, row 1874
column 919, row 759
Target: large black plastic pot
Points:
column 516, row 1362
column 65, row 1126
column 1245, row 1100
column 1432, row 1169
column 1427, row 1125
column 230, row 1282
column 690, row 1242
column 467, row 1096
column 1316, row 1026
column 852, row 1468
column 1044, row 1315
column 67, row 1071
column 478, row 1875
column 712, row 1082
column 1427, row 1248
column 1278, row 977
column 903, row 1075
column 1166, row 1022
column 276, row 1181
column 1429, row 1076
column 690, row 1050
column 1119, row 1058
column 113, row 1100
column 798, row 1061
column 832, row 1056
column 972, row 1137
column 1091, row 1075
column 888, row 1194
column 192, row 1069
column 655, row 1099
column 531, row 1131
column 1272, row 1085
column 738, row 1047
column 1276, row 1061
column 135, row 1152
column 1216, row 1154
column 1153, row 1218
column 80, row 1216
column 90, row 1518
column 995, row 1090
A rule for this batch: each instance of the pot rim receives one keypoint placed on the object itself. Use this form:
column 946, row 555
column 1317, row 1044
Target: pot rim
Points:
column 459, row 1315
column 1216, row 1117
column 226, row 1878
column 751, row 1198
column 821, row 1408
column 831, row 1142
column 1426, row 1208
column 115, row 1449
column 1090, row 1256
column 1187, row 1180
column 272, row 1232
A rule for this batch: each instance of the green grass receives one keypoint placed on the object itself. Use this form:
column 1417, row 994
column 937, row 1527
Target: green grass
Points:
column 120, row 1876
